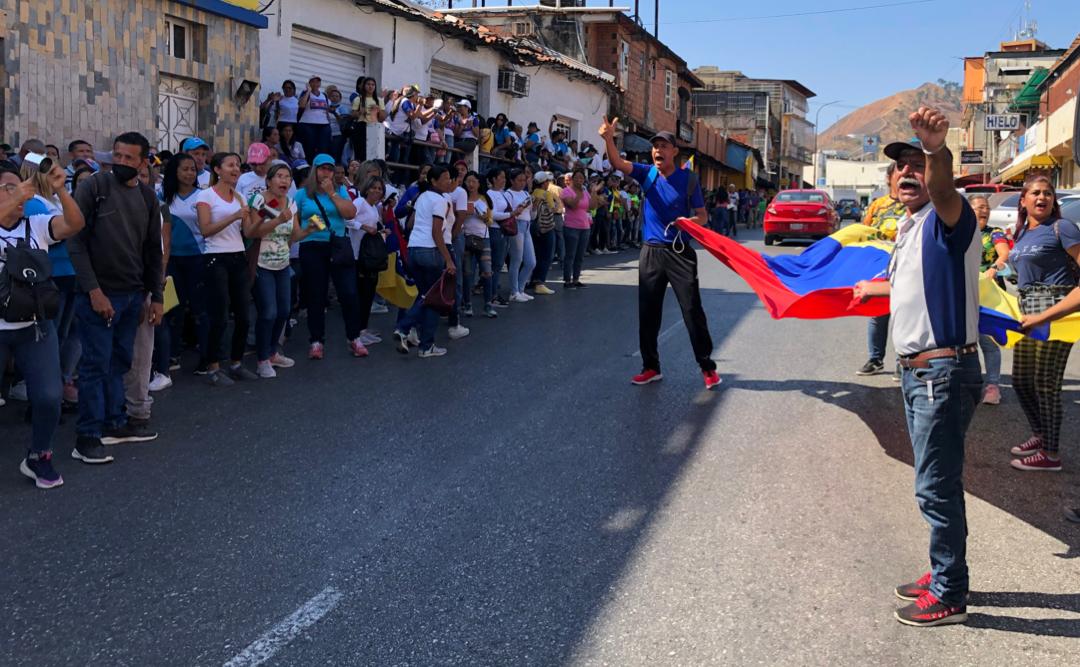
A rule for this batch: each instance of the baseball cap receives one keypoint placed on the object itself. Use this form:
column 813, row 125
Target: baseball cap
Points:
column 465, row 103
column 313, row 77
column 896, row 148
column 103, row 158
column 258, row 153
column 542, row 176
column 666, row 136
column 299, row 164
column 191, row 143
column 321, row 159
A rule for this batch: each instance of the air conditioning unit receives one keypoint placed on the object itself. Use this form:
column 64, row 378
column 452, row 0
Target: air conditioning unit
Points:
column 513, row 83
column 522, row 29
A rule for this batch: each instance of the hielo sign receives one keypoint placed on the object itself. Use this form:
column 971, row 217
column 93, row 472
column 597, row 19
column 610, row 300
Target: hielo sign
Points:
column 1002, row 122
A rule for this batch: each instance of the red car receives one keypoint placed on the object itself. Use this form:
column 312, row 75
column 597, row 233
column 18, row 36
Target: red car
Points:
column 800, row 214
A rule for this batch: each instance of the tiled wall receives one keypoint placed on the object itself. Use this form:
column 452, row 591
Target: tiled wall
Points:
column 90, row 69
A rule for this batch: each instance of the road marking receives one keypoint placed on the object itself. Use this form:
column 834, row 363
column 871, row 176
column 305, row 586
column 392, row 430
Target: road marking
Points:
column 279, row 636
column 660, row 339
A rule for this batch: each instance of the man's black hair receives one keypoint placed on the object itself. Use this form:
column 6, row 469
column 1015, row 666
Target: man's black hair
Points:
column 134, row 139
column 78, row 142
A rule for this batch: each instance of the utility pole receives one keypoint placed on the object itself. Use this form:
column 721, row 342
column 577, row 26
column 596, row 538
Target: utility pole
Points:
column 817, row 131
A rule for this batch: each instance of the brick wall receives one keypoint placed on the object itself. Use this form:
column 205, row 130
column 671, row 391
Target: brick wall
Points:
column 1058, row 94
column 641, row 92
column 80, row 69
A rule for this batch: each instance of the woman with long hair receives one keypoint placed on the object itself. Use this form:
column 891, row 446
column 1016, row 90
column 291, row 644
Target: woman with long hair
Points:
column 367, row 222
column 179, row 189
column 327, row 207
column 575, row 228
column 223, row 221
column 366, row 110
column 994, row 257
column 276, row 225
column 1045, row 258
column 290, row 149
column 429, row 257
column 477, row 228
column 280, row 107
column 502, row 210
column 522, row 255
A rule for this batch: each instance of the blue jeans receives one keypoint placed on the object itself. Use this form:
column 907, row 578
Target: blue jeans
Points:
column 498, row 256
column 459, row 264
column 522, row 257
column 272, row 305
column 992, row 357
column 877, row 335
column 577, row 240
column 939, row 402
column 37, row 356
column 474, row 265
column 426, row 265
column 106, row 357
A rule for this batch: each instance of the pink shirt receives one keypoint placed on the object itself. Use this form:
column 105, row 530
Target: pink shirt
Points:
column 577, row 217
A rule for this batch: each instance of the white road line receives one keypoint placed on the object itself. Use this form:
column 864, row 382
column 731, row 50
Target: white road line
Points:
column 279, row 636
column 663, row 334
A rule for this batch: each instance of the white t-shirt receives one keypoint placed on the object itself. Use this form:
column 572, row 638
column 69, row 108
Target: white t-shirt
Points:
column 250, row 184
column 40, row 237
column 398, row 123
column 459, row 200
column 733, row 200
column 516, row 198
column 318, row 110
column 203, row 179
column 476, row 223
column 367, row 215
column 428, row 205
column 229, row 239
column 287, row 109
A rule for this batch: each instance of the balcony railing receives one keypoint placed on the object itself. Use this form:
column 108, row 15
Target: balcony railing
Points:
column 798, row 153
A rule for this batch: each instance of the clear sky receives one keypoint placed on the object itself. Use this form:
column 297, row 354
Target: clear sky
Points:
column 852, row 56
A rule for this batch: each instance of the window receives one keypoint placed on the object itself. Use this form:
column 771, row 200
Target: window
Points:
column 178, row 38
column 566, row 127
column 669, row 90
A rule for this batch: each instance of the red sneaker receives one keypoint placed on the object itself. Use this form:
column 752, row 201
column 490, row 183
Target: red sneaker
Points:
column 315, row 351
column 1033, row 444
column 712, row 379
column 357, row 348
column 928, row 611
column 646, row 376
column 1038, row 461
column 915, row 589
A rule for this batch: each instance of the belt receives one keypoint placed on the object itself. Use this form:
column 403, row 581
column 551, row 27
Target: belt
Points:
column 922, row 359
column 669, row 246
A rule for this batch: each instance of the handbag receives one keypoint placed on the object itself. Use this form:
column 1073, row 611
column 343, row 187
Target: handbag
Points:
column 440, row 297
column 474, row 244
column 509, row 226
column 341, row 252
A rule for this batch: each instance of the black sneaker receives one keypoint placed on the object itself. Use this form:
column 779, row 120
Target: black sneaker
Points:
column 871, row 367
column 500, row 302
column 218, row 378
column 1072, row 514
column 580, row 285
column 135, row 430
column 567, row 284
column 915, row 589
column 39, row 468
column 89, row 450
column 238, row 372
column 928, row 611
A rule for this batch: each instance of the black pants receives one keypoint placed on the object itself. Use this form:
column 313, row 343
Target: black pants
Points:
column 659, row 266
column 227, row 289
column 365, row 285
column 358, row 141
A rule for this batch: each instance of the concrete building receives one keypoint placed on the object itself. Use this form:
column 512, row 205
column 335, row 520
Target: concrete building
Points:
column 1060, row 90
column 399, row 43
column 845, row 178
column 768, row 114
column 993, row 82
column 90, row 70
column 655, row 83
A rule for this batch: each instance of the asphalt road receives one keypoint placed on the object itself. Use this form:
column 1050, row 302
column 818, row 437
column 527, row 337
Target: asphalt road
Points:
column 518, row 502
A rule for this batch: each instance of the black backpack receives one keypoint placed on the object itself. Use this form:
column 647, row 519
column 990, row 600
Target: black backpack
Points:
column 27, row 292
column 373, row 257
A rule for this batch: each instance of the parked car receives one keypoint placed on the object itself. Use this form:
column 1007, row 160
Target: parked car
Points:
column 849, row 209
column 1004, row 207
column 800, row 214
column 1070, row 208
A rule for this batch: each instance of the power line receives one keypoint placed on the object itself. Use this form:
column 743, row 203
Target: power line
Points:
column 796, row 14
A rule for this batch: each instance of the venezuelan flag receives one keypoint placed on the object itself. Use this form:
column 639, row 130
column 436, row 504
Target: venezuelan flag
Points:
column 394, row 284
column 817, row 283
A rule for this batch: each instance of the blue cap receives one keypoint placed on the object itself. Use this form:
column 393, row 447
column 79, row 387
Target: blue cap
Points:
column 321, row 159
column 191, row 143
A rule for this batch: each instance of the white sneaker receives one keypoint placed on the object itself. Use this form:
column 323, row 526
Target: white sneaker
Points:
column 281, row 361
column 159, row 382
column 528, row 297
column 379, row 309
column 458, row 332
column 413, row 338
column 18, row 391
column 368, row 337
column 265, row 369
column 433, row 351
column 517, row 297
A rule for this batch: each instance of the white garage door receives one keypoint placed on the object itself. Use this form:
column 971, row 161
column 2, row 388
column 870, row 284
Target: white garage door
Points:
column 458, row 83
column 337, row 61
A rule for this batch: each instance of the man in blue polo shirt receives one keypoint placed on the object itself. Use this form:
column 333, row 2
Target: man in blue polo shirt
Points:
column 669, row 193
column 200, row 152
column 934, row 306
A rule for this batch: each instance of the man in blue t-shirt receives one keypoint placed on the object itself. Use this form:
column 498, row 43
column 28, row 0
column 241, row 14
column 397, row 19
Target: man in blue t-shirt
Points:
column 668, row 193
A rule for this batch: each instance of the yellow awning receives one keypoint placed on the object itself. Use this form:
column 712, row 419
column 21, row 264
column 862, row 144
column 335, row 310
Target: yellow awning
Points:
column 1016, row 172
column 253, row 5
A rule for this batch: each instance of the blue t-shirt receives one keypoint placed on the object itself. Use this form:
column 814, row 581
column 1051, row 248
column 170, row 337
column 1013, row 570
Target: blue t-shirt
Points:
column 307, row 208
column 501, row 134
column 1039, row 254
column 561, row 148
column 58, row 252
column 666, row 201
column 185, row 239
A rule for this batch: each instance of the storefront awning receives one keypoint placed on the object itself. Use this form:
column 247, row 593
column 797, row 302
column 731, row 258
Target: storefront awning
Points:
column 1017, row 171
column 635, row 143
column 1029, row 95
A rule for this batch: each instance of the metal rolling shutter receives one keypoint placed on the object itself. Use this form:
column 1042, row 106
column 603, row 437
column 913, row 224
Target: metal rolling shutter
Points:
column 455, row 82
column 337, row 61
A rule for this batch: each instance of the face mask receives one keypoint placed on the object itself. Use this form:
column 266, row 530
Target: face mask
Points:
column 124, row 173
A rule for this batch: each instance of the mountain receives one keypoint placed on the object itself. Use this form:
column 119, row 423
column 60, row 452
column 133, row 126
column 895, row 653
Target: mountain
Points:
column 887, row 117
